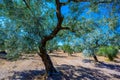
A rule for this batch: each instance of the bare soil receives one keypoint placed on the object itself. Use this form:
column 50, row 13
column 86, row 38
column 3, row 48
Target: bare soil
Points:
column 75, row 67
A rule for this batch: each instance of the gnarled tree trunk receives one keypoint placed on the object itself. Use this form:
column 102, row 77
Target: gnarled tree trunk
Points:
column 43, row 53
column 50, row 69
column 95, row 57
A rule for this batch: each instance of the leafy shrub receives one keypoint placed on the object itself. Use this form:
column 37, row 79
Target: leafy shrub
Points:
column 87, row 52
column 68, row 49
column 110, row 52
column 102, row 51
column 13, row 56
column 77, row 49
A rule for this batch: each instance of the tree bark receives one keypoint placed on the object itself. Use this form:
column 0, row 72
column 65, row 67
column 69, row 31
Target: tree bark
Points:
column 95, row 58
column 50, row 69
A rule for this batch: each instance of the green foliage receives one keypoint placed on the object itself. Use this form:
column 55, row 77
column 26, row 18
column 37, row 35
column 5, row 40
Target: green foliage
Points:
column 77, row 49
column 21, row 29
column 94, row 6
column 52, row 45
column 108, row 51
column 13, row 56
column 88, row 52
column 68, row 49
column 113, row 22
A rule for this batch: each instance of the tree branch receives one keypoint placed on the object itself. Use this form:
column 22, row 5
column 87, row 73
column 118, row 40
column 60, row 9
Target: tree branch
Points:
column 59, row 23
column 97, row 1
column 27, row 5
column 65, row 28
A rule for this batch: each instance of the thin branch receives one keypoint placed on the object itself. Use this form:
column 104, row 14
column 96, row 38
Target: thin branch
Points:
column 97, row 1
column 28, row 6
column 58, row 27
column 65, row 28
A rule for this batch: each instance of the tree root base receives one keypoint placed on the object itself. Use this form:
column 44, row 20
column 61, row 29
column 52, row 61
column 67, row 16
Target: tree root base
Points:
column 52, row 76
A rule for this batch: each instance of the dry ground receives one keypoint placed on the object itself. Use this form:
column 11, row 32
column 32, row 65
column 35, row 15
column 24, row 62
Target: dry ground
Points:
column 74, row 67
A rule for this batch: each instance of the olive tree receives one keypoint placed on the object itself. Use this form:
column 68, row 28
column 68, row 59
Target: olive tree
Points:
column 39, row 21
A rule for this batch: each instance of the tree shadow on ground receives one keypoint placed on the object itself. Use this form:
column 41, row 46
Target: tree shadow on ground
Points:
column 104, row 65
column 68, row 72
column 27, row 75
column 87, row 61
column 77, row 73
column 116, row 76
column 116, row 61
column 108, row 66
